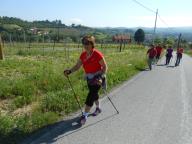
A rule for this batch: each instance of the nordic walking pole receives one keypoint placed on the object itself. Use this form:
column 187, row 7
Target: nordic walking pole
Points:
column 111, row 101
column 74, row 94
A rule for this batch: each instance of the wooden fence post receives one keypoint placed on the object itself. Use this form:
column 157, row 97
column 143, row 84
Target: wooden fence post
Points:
column 1, row 49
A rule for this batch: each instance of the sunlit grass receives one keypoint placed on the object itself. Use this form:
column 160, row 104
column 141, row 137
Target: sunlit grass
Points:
column 37, row 93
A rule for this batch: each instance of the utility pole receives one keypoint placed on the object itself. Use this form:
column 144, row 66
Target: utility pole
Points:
column 10, row 39
column 24, row 36
column 179, row 40
column 154, row 31
column 58, row 33
column 1, row 49
column 57, row 25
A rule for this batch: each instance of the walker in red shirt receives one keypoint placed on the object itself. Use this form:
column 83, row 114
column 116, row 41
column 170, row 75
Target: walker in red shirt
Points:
column 179, row 56
column 159, row 50
column 91, row 64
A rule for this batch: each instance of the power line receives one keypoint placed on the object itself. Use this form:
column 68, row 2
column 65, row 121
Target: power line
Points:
column 163, row 21
column 151, row 11
column 144, row 6
column 171, row 29
column 157, row 14
column 155, row 25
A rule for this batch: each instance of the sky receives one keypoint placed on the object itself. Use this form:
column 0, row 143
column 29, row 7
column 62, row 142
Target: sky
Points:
column 103, row 13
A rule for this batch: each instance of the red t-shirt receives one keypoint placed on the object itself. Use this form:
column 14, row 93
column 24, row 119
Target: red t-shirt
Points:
column 152, row 52
column 91, row 64
column 159, row 49
column 180, row 50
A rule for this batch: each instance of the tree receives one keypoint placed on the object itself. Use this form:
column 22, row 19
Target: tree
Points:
column 158, row 40
column 139, row 36
column 190, row 46
column 170, row 41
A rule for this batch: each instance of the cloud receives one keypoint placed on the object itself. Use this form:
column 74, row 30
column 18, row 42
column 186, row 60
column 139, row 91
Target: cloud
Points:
column 141, row 18
column 166, row 21
column 75, row 21
column 174, row 21
column 144, row 21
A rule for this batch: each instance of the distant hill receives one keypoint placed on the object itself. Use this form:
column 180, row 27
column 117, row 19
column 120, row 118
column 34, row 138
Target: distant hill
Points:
column 57, row 31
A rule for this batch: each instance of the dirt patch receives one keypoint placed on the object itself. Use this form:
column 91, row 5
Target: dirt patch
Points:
column 4, row 107
column 24, row 110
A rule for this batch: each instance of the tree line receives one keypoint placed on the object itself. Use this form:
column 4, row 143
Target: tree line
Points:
column 15, row 29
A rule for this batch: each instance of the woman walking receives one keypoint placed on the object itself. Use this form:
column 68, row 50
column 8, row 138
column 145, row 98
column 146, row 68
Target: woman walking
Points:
column 95, row 68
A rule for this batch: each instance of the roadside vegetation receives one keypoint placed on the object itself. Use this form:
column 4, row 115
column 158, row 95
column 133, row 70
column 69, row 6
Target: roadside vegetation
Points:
column 33, row 91
column 189, row 52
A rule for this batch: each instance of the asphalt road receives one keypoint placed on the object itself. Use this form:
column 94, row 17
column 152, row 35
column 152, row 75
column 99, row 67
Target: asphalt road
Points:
column 155, row 108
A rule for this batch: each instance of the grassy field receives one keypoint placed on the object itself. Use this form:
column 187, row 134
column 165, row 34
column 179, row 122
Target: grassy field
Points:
column 34, row 93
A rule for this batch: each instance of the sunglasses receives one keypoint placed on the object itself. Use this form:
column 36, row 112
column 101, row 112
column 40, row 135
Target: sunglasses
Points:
column 86, row 42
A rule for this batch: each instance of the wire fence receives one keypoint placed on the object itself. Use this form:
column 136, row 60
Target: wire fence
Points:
column 18, row 48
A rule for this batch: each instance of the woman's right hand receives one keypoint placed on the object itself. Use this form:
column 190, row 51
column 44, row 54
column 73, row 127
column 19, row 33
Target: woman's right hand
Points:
column 67, row 72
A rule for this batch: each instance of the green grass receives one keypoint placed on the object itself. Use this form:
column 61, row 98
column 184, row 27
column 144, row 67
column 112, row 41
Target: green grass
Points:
column 11, row 26
column 37, row 93
column 189, row 52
